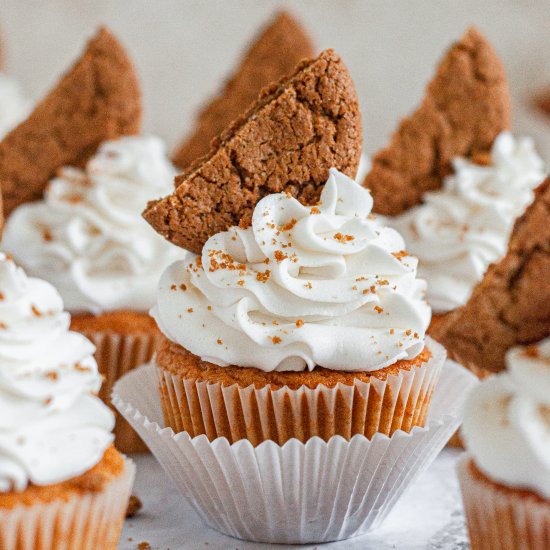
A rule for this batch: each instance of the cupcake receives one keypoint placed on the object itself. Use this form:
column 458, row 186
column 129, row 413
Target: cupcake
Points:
column 83, row 231
column 295, row 374
column 62, row 483
column 311, row 317
column 88, row 239
column 300, row 320
column 453, row 179
column 505, row 479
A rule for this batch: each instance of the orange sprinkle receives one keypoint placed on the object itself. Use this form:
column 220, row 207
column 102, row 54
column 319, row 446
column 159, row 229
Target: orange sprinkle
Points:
column 343, row 238
column 263, row 276
column 183, row 287
column 408, row 332
column 280, row 256
column 209, row 308
column 400, row 254
column 392, row 331
column 219, row 342
column 190, row 310
column 308, row 285
column 173, row 287
column 35, row 311
column 289, row 225
column 245, row 223
column 315, row 210
column 240, row 282
column 276, row 340
column 378, row 309
column 299, row 323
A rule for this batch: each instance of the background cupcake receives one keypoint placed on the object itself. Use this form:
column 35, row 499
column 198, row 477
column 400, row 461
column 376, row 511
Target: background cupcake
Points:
column 82, row 230
column 61, row 480
column 506, row 479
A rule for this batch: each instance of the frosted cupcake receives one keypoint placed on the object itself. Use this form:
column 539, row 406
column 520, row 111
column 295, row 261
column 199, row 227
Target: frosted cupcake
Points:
column 61, row 480
column 505, row 479
column 87, row 238
column 309, row 321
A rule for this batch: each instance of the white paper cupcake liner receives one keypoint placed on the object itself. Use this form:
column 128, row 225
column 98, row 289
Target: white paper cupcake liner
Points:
column 116, row 354
column 399, row 402
column 501, row 519
column 299, row 492
column 90, row 521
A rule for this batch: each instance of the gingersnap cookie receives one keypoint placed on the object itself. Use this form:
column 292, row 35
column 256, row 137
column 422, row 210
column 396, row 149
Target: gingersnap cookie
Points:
column 465, row 107
column 511, row 305
column 96, row 100
column 273, row 54
column 286, row 142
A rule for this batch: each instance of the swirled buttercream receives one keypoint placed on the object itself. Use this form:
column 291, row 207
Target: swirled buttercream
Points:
column 300, row 287
column 458, row 231
column 87, row 236
column 507, row 421
column 52, row 427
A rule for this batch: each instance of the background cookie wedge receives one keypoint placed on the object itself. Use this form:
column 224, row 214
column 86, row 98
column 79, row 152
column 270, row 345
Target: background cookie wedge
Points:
column 511, row 305
column 464, row 108
column 273, row 54
column 287, row 141
column 96, row 100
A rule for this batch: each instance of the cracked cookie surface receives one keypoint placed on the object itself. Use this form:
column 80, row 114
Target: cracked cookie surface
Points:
column 464, row 108
column 273, row 54
column 286, row 142
column 511, row 305
column 96, row 100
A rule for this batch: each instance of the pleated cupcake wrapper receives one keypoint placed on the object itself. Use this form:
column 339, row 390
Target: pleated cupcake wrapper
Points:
column 90, row 521
column 500, row 519
column 117, row 354
column 399, row 402
column 316, row 491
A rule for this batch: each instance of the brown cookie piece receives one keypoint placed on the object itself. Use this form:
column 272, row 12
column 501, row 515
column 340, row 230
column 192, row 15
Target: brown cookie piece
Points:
column 96, row 100
column 286, row 141
column 465, row 107
column 511, row 305
column 273, row 54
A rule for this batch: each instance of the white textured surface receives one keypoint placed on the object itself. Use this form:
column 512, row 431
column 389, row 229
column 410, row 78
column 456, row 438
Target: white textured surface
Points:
column 183, row 48
column 429, row 517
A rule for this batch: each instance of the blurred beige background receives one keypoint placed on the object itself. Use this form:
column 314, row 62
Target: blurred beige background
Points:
column 184, row 48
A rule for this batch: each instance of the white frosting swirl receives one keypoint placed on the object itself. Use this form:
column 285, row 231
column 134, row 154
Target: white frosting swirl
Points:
column 461, row 229
column 87, row 236
column 13, row 105
column 51, row 426
column 507, row 421
column 302, row 287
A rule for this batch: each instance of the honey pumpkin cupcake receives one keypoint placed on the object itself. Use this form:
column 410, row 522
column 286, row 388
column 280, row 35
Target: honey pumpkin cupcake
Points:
column 308, row 322
column 505, row 478
column 62, row 483
column 75, row 213
column 297, row 315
